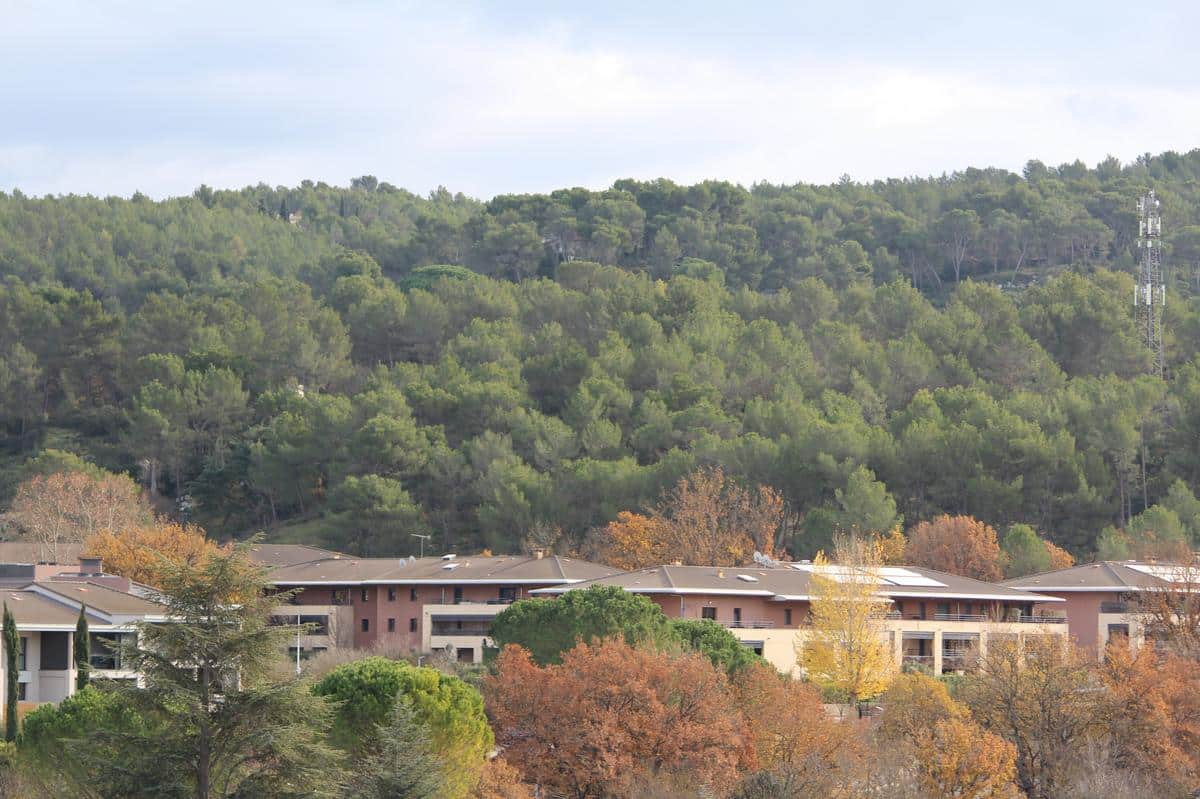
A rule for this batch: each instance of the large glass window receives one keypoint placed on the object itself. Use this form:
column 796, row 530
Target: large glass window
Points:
column 106, row 650
column 21, row 654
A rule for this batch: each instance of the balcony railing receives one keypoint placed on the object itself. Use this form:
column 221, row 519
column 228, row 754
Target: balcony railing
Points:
column 959, row 617
column 749, row 624
column 1114, row 607
column 1042, row 619
column 919, row 660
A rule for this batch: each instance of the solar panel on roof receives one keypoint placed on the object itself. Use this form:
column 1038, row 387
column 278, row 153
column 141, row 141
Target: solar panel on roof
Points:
column 1170, row 573
column 898, row 576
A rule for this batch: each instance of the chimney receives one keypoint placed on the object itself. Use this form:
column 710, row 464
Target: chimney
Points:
column 720, row 572
column 677, row 562
column 91, row 567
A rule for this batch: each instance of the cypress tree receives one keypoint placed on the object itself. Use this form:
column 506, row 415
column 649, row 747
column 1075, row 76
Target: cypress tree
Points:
column 83, row 651
column 12, row 646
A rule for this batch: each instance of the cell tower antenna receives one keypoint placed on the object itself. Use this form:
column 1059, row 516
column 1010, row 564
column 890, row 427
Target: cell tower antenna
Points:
column 1150, row 293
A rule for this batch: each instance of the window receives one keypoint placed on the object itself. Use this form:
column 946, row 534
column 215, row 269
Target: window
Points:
column 339, row 596
column 412, row 595
column 465, row 655
column 412, row 625
column 106, row 649
column 365, row 595
column 391, row 625
column 737, row 615
column 366, row 625
column 391, row 594
column 21, row 654
column 943, row 609
column 457, row 594
column 708, row 613
column 21, row 691
column 787, row 617
column 508, row 594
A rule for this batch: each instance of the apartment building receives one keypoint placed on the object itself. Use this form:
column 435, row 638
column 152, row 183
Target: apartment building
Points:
column 46, row 609
column 1101, row 600
column 412, row 604
column 936, row 620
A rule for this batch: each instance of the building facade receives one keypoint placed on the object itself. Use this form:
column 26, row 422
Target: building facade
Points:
column 412, row 605
column 1102, row 601
column 936, row 620
column 46, row 610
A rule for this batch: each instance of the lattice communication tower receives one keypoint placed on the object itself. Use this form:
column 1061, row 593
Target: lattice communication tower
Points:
column 1150, row 294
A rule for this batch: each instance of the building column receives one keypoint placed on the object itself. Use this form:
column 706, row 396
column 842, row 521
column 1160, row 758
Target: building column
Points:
column 898, row 647
column 937, row 652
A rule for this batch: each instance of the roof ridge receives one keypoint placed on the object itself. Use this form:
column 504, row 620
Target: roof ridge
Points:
column 1117, row 576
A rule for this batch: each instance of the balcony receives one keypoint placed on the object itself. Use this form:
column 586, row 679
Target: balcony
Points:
column 1114, row 607
column 1041, row 619
column 959, row 617
column 748, row 624
column 919, row 660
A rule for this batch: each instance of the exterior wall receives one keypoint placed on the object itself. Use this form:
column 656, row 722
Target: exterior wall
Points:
column 756, row 611
column 1089, row 625
column 378, row 609
column 779, row 646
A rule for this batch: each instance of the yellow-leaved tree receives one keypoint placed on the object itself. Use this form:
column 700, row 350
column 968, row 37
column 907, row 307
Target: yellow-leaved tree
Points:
column 845, row 648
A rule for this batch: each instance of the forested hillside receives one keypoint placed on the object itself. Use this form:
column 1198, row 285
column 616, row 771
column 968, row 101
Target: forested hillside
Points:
column 349, row 366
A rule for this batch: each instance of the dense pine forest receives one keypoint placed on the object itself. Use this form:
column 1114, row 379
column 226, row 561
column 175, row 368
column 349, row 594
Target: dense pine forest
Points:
column 349, row 366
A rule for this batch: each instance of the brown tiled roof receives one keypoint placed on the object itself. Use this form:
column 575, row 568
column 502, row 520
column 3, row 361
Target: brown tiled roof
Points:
column 289, row 554
column 792, row 582
column 1109, row 575
column 31, row 609
column 346, row 570
column 106, row 600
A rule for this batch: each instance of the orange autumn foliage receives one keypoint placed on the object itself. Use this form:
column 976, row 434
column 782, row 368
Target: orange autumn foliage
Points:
column 959, row 545
column 958, row 758
column 792, row 735
column 706, row 519
column 634, row 541
column 611, row 717
column 140, row 553
column 1152, row 712
column 500, row 780
column 1059, row 557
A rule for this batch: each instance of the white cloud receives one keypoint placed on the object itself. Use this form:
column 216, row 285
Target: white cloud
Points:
column 422, row 102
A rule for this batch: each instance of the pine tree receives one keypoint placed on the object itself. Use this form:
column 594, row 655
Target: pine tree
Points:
column 404, row 766
column 12, row 646
column 83, row 651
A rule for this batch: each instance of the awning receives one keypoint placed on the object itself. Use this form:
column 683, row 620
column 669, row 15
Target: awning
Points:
column 960, row 636
column 917, row 636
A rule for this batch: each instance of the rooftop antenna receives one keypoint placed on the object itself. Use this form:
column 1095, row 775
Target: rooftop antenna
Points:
column 1150, row 293
column 423, row 538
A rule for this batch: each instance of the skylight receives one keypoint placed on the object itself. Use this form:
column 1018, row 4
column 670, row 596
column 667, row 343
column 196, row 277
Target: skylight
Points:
column 746, row 578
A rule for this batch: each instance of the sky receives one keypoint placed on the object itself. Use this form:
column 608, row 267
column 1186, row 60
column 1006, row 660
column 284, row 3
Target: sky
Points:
column 488, row 98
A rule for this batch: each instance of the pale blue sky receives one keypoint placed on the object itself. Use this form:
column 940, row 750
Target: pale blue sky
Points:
column 485, row 98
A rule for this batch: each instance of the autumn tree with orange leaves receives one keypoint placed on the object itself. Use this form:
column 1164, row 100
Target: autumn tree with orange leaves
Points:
column 706, row 519
column 957, row 758
column 1152, row 719
column 610, row 718
column 959, row 545
column 799, row 747
column 141, row 553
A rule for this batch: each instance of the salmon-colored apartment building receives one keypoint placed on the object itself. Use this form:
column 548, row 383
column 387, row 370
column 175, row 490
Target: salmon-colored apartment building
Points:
column 1102, row 600
column 937, row 620
column 409, row 604
column 422, row 605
